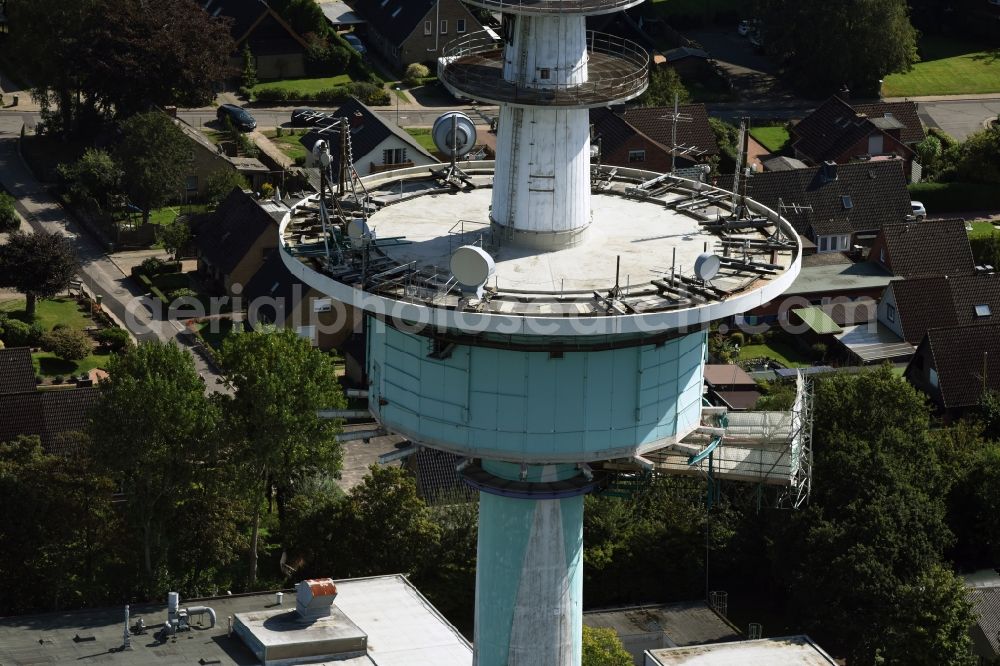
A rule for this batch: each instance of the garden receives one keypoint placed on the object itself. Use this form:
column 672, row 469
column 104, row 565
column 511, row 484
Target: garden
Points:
column 947, row 67
column 68, row 337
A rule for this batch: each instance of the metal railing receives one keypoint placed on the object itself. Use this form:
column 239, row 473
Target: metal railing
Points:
column 617, row 70
column 555, row 6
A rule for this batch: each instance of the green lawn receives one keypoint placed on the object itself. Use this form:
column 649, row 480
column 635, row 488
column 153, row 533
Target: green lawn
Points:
column 50, row 312
column 779, row 350
column 982, row 229
column 306, row 85
column 289, row 145
column 772, row 138
column 948, row 67
column 423, row 137
column 48, row 365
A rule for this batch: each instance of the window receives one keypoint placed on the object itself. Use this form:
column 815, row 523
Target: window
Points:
column 847, row 202
column 191, row 183
column 394, row 156
column 890, row 312
column 983, row 310
column 428, row 27
column 444, row 27
column 544, row 73
column 824, row 243
column 636, row 156
column 460, row 25
column 875, row 146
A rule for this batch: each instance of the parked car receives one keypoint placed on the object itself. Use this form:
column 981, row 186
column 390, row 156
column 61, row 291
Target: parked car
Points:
column 355, row 43
column 240, row 117
column 918, row 209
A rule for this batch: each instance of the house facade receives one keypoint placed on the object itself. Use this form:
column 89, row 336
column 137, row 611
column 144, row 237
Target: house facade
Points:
column 642, row 138
column 409, row 31
column 207, row 158
column 279, row 52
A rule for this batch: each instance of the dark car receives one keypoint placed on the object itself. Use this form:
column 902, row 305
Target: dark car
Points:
column 240, row 117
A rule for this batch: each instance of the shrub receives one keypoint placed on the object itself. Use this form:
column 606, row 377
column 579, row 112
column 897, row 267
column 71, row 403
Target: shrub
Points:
column 757, row 339
column 114, row 339
column 18, row 334
column 152, row 266
column 183, row 292
column 956, row 197
column 274, row 95
column 819, row 351
column 9, row 221
column 66, row 343
column 737, row 338
column 58, row 379
column 416, row 72
column 59, row 327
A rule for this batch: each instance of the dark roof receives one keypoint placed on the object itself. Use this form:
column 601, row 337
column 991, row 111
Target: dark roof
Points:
column 233, row 229
column 656, row 124
column 851, row 313
column 782, row 163
column 739, row 400
column 877, row 192
column 905, row 113
column 944, row 302
column 50, row 414
column 437, row 480
column 835, row 126
column 967, row 360
column 368, row 131
column 17, row 374
column 927, row 248
column 244, row 13
column 682, row 52
column 273, row 281
column 717, row 374
column 986, row 606
column 394, row 19
column 255, row 23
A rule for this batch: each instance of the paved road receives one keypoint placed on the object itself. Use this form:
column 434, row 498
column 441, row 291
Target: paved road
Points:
column 959, row 118
column 126, row 302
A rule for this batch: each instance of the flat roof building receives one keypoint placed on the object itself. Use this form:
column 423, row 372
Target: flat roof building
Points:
column 787, row 651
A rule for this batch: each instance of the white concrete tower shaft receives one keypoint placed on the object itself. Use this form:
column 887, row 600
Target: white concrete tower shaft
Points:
column 541, row 190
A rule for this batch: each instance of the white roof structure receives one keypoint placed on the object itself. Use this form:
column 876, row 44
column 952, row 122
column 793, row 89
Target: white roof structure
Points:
column 788, row 651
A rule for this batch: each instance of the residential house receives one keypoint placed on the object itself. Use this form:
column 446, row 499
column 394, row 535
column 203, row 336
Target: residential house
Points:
column 409, row 31
column 687, row 60
column 836, row 205
column 377, row 145
column 57, row 418
column 986, row 632
column 279, row 52
column 915, row 249
column 955, row 366
column 235, row 241
column 910, row 308
column 209, row 157
column 642, row 138
column 275, row 296
column 842, row 133
column 730, row 386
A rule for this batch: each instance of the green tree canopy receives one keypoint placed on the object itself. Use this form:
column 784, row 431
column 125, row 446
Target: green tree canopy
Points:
column 39, row 265
column 156, row 434
column 304, row 16
column 9, row 219
column 602, row 647
column 664, row 85
column 824, row 46
column 280, row 382
column 220, row 183
column 94, row 179
column 154, row 156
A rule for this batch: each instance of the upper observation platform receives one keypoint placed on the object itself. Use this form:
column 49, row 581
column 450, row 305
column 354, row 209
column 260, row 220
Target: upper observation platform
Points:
column 633, row 273
column 551, row 7
column 617, row 71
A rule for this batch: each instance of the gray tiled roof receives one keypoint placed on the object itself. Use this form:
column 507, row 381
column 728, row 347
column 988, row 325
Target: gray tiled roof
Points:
column 836, row 126
column 928, row 248
column 944, row 302
column 437, row 480
column 656, row 124
column 228, row 235
column 986, row 606
column 394, row 19
column 50, row 414
column 17, row 374
column 967, row 360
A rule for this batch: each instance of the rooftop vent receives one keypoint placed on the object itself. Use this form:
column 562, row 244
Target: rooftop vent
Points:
column 314, row 598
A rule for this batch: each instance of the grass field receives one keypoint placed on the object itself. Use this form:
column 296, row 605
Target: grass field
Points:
column 423, row 137
column 982, row 229
column 288, row 144
column 772, row 138
column 779, row 350
column 947, row 67
column 306, row 85
column 49, row 313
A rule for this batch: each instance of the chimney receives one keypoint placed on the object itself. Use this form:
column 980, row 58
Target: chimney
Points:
column 170, row 111
column 828, row 172
column 314, row 598
column 357, row 120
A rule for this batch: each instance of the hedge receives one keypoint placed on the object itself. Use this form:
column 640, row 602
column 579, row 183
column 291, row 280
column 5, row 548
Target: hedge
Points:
column 368, row 93
column 956, row 197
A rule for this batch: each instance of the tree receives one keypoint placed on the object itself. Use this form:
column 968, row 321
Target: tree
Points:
column 249, row 78
column 929, row 152
column 602, row 647
column 979, row 160
column 156, row 434
column 828, row 45
column 304, row 16
column 175, row 236
column 9, row 219
column 67, row 343
column 280, row 382
column 221, row 183
column 94, row 179
column 664, row 85
column 155, row 156
column 38, row 265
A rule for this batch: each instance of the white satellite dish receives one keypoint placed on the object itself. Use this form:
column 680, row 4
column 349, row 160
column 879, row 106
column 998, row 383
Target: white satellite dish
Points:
column 454, row 134
column 358, row 232
column 707, row 266
column 472, row 267
column 321, row 152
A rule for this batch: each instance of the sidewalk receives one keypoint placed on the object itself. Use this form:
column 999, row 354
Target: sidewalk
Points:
column 945, row 98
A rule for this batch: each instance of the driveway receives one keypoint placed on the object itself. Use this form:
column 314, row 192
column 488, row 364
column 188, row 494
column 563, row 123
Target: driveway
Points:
column 959, row 118
column 121, row 297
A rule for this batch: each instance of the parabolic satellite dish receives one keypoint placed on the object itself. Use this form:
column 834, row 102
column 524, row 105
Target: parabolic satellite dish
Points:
column 472, row 267
column 358, row 232
column 454, row 134
column 707, row 266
